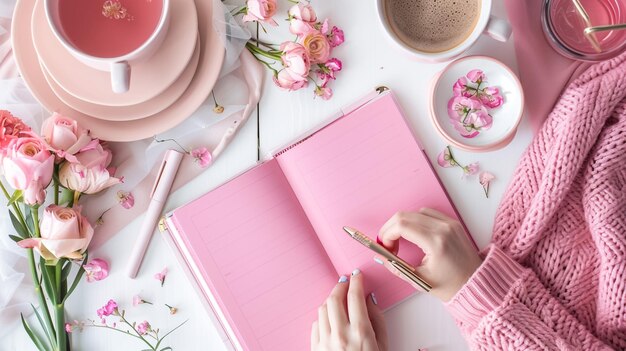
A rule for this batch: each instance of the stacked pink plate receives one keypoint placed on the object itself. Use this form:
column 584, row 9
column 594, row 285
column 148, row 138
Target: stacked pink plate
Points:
column 164, row 89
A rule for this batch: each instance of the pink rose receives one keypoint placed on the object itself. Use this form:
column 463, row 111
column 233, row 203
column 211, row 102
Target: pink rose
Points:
column 284, row 79
column 296, row 60
column 476, row 76
column 94, row 154
column 28, row 166
column 303, row 11
column 260, row 10
column 96, row 270
column 77, row 177
column 316, row 45
column 64, row 233
column 109, row 309
column 11, row 128
column 302, row 18
column 336, row 37
column 64, row 136
column 143, row 328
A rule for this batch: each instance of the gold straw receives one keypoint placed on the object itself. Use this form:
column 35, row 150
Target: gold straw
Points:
column 590, row 36
column 590, row 30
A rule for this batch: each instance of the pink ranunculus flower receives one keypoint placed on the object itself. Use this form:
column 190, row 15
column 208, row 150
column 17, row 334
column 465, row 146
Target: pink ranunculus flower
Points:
column 202, row 156
column 96, row 270
column 143, row 328
column 490, row 97
column 64, row 136
column 324, row 92
column 11, row 128
column 296, row 60
column 476, row 76
column 109, row 309
column 260, row 10
column 65, row 232
column 28, row 166
column 85, row 180
column 336, row 37
column 316, row 45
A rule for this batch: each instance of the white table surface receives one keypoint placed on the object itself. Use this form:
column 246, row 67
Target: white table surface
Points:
column 369, row 61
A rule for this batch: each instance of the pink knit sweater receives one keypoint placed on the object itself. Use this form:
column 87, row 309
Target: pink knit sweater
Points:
column 554, row 277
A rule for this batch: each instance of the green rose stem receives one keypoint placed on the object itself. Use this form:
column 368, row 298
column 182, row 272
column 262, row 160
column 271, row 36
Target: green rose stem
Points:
column 31, row 264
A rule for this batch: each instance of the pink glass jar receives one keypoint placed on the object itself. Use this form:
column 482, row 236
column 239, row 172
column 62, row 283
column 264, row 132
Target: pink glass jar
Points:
column 564, row 28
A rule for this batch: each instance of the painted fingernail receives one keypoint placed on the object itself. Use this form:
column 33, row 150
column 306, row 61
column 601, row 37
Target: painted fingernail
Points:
column 380, row 242
column 343, row 279
column 378, row 260
column 356, row 272
column 374, row 300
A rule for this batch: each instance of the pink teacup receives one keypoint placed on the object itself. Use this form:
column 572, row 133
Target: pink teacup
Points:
column 110, row 35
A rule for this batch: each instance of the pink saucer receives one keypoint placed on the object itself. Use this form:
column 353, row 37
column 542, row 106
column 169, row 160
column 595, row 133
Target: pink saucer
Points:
column 207, row 72
column 127, row 113
column 148, row 79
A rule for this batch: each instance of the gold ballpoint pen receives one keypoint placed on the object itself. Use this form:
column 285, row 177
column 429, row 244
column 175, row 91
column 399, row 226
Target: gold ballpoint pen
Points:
column 402, row 266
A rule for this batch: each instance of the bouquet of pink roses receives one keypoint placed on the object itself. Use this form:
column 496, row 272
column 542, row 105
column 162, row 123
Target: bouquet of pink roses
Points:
column 307, row 58
column 67, row 161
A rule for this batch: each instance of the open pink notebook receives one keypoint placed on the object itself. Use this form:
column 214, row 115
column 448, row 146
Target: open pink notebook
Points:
column 266, row 248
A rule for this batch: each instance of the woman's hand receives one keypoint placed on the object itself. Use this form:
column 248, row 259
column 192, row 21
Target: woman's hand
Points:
column 348, row 321
column 450, row 257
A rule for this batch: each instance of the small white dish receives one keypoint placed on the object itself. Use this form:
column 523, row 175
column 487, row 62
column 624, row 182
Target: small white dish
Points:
column 506, row 117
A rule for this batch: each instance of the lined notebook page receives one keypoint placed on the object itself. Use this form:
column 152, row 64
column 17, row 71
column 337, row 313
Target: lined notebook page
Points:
column 358, row 172
column 260, row 257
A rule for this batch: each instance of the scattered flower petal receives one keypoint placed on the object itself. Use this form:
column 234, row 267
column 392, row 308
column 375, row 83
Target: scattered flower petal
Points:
column 485, row 179
column 96, row 270
column 202, row 156
column 161, row 276
column 126, row 199
column 137, row 300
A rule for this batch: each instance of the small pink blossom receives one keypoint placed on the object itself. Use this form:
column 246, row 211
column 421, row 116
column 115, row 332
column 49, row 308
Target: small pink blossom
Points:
column 333, row 65
column 470, row 169
column 445, row 158
column 202, row 156
column 161, row 276
column 138, row 300
column 96, row 270
column 490, row 97
column 68, row 328
column 460, row 88
column 126, row 199
column 476, row 76
column 109, row 309
column 485, row 179
column 324, row 92
column 143, row 328
column 336, row 37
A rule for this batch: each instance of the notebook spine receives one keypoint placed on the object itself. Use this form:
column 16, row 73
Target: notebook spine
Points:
column 292, row 146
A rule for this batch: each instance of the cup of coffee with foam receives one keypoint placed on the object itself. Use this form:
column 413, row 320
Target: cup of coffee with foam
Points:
column 110, row 35
column 439, row 30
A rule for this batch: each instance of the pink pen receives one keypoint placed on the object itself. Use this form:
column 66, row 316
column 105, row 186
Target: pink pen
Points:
column 158, row 196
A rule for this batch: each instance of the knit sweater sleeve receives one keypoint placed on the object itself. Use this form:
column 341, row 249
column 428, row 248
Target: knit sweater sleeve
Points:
column 504, row 306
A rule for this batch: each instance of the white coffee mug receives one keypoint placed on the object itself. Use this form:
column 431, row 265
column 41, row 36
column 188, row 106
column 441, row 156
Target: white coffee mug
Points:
column 494, row 27
column 119, row 67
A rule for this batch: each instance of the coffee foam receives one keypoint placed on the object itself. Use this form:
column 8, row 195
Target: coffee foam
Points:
column 432, row 25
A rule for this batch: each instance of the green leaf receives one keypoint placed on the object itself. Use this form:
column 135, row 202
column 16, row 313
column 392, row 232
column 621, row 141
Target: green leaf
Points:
column 17, row 196
column 168, row 333
column 32, row 334
column 166, row 348
column 29, row 219
column 43, row 325
column 67, row 268
column 15, row 238
column 47, row 280
column 19, row 227
column 79, row 274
